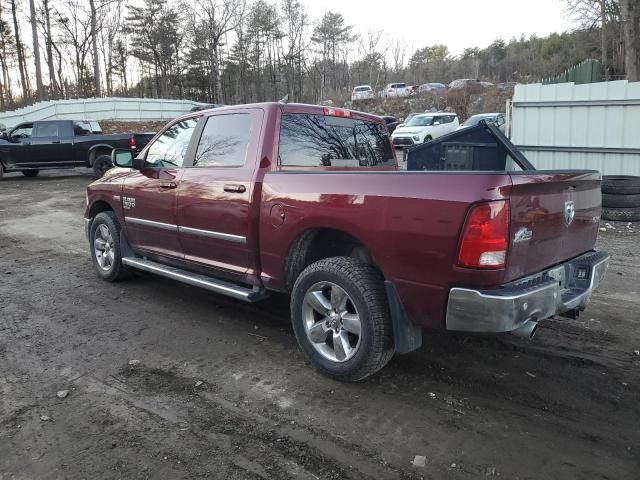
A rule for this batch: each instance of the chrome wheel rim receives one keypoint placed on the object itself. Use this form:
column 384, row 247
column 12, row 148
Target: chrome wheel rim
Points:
column 331, row 322
column 103, row 248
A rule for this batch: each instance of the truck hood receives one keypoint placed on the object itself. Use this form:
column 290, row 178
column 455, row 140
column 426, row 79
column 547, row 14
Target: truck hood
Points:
column 410, row 131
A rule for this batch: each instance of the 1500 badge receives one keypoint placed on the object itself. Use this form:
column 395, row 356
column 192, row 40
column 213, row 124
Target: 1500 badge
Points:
column 128, row 203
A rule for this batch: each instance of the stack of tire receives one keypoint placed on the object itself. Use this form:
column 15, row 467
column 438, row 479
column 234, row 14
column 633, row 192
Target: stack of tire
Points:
column 621, row 198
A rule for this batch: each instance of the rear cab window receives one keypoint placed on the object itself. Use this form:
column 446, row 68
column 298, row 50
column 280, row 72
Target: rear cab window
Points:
column 325, row 141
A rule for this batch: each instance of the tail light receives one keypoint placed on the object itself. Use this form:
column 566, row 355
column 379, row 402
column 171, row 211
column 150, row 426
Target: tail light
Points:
column 485, row 237
column 337, row 112
column 132, row 142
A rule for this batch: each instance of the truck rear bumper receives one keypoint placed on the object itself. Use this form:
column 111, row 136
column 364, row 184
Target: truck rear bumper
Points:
column 564, row 288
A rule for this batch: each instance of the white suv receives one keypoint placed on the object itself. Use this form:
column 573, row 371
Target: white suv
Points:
column 424, row 128
column 362, row 92
column 395, row 90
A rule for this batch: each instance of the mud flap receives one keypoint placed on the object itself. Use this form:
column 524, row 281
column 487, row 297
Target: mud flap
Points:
column 407, row 336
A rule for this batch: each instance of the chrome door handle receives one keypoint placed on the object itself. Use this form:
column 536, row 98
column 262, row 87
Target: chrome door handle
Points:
column 235, row 188
column 168, row 185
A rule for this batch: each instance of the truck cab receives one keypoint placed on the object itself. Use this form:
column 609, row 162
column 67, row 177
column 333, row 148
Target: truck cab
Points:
column 308, row 201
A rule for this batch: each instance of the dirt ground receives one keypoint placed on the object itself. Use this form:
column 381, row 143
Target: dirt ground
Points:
column 167, row 381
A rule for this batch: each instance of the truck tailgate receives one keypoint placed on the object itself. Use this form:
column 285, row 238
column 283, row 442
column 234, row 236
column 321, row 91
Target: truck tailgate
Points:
column 554, row 217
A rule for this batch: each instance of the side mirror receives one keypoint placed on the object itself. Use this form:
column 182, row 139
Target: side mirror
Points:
column 400, row 125
column 121, row 157
column 436, row 123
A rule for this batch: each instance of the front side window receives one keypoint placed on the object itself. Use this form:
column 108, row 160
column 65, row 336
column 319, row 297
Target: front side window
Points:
column 224, row 141
column 326, row 141
column 23, row 131
column 170, row 148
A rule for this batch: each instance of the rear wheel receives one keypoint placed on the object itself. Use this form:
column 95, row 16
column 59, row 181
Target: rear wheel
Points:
column 341, row 318
column 101, row 164
column 30, row 173
column 104, row 238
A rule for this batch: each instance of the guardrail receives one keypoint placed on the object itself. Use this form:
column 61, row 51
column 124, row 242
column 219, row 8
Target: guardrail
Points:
column 112, row 108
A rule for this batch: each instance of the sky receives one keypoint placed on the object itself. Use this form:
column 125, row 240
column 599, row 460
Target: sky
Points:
column 455, row 23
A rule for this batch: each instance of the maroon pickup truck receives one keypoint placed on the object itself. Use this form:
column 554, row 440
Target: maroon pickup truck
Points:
column 309, row 201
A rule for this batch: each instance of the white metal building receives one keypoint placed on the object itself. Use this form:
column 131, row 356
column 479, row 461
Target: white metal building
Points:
column 594, row 126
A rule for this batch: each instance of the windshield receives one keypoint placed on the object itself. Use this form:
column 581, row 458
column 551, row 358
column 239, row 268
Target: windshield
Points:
column 420, row 121
column 363, row 89
column 475, row 120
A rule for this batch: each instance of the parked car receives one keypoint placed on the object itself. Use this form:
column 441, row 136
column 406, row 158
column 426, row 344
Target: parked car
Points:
column 507, row 87
column 395, row 90
column 206, row 106
column 315, row 208
column 362, row 92
column 391, row 122
column 424, row 128
column 433, row 88
column 495, row 118
column 55, row 144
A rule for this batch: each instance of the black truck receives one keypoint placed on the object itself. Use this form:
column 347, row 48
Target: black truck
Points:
column 54, row 144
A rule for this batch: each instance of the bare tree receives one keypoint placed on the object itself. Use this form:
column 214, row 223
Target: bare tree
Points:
column 630, row 11
column 24, row 79
column 36, row 50
column 94, row 46
column 218, row 17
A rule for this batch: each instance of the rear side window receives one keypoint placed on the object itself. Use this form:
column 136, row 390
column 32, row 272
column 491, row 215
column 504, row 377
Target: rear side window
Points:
column 224, row 141
column 325, row 141
column 81, row 128
column 47, row 129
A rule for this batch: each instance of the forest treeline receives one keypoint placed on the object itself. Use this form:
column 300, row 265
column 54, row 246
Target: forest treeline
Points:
column 238, row 51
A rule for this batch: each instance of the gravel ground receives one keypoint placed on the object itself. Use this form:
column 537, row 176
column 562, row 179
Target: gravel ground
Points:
column 168, row 381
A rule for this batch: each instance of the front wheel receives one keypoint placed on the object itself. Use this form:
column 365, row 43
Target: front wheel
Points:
column 101, row 164
column 106, row 253
column 341, row 318
column 428, row 138
column 30, row 173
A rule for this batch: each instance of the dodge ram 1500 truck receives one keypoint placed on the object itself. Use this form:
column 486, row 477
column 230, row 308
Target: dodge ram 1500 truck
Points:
column 54, row 144
column 308, row 200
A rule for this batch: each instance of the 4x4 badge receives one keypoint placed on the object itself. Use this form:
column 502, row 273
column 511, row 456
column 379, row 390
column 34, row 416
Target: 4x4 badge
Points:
column 128, row 203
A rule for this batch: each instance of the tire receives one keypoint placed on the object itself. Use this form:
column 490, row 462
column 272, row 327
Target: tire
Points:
column 621, row 214
column 621, row 184
column 365, row 305
column 620, row 201
column 428, row 138
column 101, row 165
column 30, row 173
column 110, row 268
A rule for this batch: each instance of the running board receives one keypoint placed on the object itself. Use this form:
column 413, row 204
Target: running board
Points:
column 208, row 283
